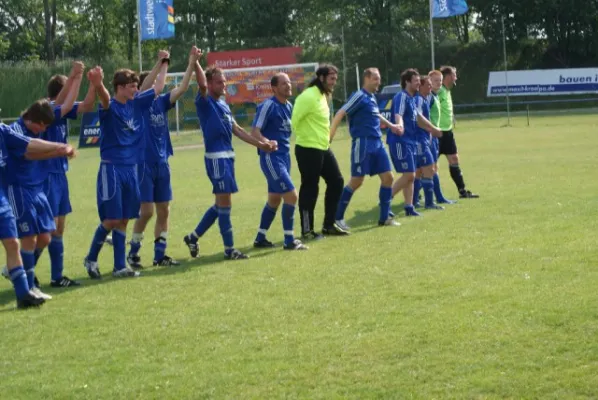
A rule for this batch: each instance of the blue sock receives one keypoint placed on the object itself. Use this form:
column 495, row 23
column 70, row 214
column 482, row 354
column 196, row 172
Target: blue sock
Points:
column 268, row 215
column 19, row 281
column 288, row 220
column 226, row 228
column 56, row 250
column 428, row 185
column 385, row 196
column 159, row 248
column 417, row 185
column 438, row 189
column 119, row 244
column 206, row 222
column 97, row 242
column 29, row 266
column 37, row 253
column 135, row 247
column 343, row 203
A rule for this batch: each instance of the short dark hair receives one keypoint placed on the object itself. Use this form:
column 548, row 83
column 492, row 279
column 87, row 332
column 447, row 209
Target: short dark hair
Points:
column 407, row 75
column 322, row 72
column 447, row 70
column 142, row 77
column 213, row 71
column 40, row 112
column 55, row 85
column 123, row 77
column 423, row 79
column 369, row 72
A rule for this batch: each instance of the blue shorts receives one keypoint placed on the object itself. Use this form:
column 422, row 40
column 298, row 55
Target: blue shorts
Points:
column 117, row 191
column 424, row 155
column 277, row 169
column 32, row 210
column 154, row 182
column 221, row 172
column 56, row 188
column 368, row 157
column 402, row 155
column 8, row 222
column 434, row 149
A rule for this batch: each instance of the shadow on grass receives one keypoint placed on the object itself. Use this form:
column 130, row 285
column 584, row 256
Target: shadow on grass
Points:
column 213, row 260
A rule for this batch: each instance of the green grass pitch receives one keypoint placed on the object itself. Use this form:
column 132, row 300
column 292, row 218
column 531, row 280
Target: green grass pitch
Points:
column 492, row 298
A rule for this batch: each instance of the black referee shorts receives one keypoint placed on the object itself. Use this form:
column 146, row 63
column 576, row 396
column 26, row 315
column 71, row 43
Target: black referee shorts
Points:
column 447, row 144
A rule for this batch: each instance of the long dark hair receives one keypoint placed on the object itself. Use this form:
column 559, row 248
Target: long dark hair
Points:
column 323, row 71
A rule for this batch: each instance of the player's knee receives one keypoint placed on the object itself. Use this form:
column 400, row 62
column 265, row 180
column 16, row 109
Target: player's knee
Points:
column 146, row 213
column 274, row 200
column 111, row 224
column 162, row 211
column 43, row 240
column 59, row 232
column 409, row 176
column 290, row 197
column 11, row 246
column 356, row 182
column 453, row 159
column 386, row 179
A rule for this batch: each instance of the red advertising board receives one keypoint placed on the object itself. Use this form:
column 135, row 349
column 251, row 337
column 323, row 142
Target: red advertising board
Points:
column 255, row 58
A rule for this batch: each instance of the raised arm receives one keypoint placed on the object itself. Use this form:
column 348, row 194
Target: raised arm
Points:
column 202, row 81
column 66, row 88
column 69, row 102
column 178, row 91
column 96, row 77
column 89, row 101
column 163, row 58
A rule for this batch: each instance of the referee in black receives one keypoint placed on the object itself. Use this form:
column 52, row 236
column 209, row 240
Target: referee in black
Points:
column 310, row 123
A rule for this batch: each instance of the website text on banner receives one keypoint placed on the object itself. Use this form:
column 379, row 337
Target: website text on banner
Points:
column 448, row 8
column 156, row 18
column 543, row 82
column 255, row 58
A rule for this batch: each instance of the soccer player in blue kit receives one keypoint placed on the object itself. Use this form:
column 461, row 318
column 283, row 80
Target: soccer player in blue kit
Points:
column 118, row 196
column 272, row 121
column 402, row 146
column 154, row 170
column 425, row 159
column 24, row 209
column 26, row 179
column 56, row 186
column 368, row 156
column 218, row 126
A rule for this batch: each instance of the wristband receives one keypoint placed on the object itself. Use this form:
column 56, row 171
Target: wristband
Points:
column 166, row 60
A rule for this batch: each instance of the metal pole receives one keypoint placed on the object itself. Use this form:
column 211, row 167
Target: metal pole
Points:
column 504, row 46
column 178, row 125
column 432, row 32
column 358, row 77
column 139, row 37
column 528, row 115
column 344, row 61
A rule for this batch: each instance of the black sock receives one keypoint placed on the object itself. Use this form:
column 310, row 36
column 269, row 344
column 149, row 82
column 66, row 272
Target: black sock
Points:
column 457, row 177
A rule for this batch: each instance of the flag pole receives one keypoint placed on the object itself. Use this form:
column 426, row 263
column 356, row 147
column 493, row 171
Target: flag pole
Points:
column 139, row 37
column 432, row 32
column 504, row 49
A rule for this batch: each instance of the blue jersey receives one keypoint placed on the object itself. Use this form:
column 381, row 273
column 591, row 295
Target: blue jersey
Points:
column 274, row 121
column 363, row 115
column 157, row 144
column 57, row 132
column 423, row 108
column 13, row 144
column 120, row 128
column 403, row 104
column 22, row 171
column 216, row 121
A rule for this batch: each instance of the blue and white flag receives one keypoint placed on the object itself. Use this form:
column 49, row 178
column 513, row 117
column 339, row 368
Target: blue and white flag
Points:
column 156, row 18
column 449, row 8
